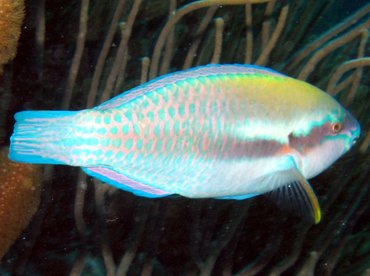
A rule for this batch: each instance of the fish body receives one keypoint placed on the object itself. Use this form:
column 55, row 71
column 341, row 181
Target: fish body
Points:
column 223, row 131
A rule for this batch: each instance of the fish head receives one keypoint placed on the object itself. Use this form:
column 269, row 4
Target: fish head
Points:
column 350, row 131
column 326, row 142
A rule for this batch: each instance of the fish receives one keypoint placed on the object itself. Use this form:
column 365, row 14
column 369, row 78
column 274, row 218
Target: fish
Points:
column 230, row 131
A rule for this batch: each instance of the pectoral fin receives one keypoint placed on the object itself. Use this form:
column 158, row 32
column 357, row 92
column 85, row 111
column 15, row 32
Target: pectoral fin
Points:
column 296, row 194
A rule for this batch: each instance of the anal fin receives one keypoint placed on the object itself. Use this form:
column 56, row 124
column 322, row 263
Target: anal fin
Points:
column 237, row 197
column 123, row 182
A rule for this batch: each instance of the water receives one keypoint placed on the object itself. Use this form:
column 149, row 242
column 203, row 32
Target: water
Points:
column 89, row 228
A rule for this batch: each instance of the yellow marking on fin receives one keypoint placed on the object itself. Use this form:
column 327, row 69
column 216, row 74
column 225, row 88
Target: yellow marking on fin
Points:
column 294, row 189
column 313, row 199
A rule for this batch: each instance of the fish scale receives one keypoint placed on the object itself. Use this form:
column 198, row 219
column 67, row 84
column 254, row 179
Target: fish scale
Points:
column 187, row 146
column 223, row 131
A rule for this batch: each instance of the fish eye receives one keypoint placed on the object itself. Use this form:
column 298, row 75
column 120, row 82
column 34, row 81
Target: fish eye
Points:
column 336, row 127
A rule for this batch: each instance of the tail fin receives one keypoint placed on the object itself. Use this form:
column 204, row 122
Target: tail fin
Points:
column 37, row 135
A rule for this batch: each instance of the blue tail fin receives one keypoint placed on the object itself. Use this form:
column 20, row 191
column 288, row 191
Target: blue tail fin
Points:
column 37, row 135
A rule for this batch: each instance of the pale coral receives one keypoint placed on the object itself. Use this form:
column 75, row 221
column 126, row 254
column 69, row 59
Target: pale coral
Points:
column 19, row 198
column 11, row 18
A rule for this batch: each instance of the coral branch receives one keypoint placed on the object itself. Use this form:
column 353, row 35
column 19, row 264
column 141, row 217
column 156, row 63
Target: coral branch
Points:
column 121, row 57
column 219, row 25
column 249, row 33
column 275, row 36
column 178, row 15
column 266, row 25
column 355, row 63
column 330, row 47
column 73, row 71
column 306, row 51
column 195, row 44
column 167, row 55
column 103, row 54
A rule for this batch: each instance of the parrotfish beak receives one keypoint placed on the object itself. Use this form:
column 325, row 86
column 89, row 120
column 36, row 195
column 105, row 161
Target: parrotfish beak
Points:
column 352, row 127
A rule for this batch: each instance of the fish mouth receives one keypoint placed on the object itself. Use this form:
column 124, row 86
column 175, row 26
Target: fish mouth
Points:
column 353, row 127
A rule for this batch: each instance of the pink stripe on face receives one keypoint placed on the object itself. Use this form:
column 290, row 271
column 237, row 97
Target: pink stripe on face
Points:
column 309, row 142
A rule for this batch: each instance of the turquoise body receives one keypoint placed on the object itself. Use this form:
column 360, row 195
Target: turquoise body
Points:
column 213, row 131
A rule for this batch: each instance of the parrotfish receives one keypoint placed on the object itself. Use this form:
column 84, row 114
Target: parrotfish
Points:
column 219, row 131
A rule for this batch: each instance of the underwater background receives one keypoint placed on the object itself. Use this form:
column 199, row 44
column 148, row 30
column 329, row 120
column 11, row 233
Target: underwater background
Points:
column 75, row 54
